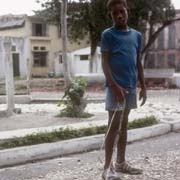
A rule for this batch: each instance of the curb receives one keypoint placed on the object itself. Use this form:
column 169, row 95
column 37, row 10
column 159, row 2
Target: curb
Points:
column 175, row 125
column 19, row 99
column 27, row 99
column 148, row 132
column 20, row 155
column 32, row 153
column 56, row 100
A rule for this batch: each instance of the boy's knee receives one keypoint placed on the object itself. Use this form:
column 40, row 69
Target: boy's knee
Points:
column 123, row 131
column 114, row 127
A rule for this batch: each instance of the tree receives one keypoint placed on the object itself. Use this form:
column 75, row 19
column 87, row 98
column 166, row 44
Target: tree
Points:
column 94, row 18
column 90, row 17
column 151, row 17
column 85, row 18
column 51, row 11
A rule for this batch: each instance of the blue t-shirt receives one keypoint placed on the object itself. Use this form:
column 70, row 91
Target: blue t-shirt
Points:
column 123, row 46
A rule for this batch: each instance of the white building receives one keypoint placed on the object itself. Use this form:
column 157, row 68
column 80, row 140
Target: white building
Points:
column 79, row 62
column 35, row 40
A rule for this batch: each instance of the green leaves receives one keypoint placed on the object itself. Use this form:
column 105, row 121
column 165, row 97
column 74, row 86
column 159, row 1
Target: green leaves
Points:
column 69, row 133
column 88, row 18
column 75, row 102
column 152, row 11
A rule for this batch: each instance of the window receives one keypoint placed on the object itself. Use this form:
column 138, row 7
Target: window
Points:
column 60, row 59
column 43, row 48
column 150, row 61
column 13, row 48
column 35, row 48
column 178, row 66
column 40, row 59
column 171, row 61
column 161, row 40
column 39, row 29
column 172, row 34
column 84, row 57
column 160, row 61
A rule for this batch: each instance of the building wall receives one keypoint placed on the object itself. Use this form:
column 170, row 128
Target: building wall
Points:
column 2, row 66
column 18, row 32
column 18, row 44
column 52, row 43
column 165, row 51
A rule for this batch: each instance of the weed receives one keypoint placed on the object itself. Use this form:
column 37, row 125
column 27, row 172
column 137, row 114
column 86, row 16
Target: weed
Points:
column 69, row 133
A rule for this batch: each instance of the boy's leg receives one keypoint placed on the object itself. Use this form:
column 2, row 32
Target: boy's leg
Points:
column 121, row 164
column 114, row 115
column 122, row 141
column 111, row 136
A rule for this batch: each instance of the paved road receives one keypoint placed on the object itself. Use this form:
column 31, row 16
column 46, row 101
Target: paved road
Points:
column 159, row 157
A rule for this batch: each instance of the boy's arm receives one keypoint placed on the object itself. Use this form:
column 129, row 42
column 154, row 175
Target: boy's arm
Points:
column 106, row 68
column 142, row 94
column 117, row 90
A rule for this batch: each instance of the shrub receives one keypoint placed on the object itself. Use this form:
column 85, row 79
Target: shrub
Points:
column 74, row 100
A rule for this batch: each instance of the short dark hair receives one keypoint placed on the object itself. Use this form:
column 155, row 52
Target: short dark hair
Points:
column 111, row 3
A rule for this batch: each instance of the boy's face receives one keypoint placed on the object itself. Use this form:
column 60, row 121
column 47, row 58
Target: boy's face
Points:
column 119, row 15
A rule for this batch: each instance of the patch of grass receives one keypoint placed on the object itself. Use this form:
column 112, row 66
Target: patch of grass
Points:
column 2, row 89
column 143, row 122
column 17, row 78
column 2, row 93
column 20, row 87
column 58, row 135
column 67, row 113
column 68, row 133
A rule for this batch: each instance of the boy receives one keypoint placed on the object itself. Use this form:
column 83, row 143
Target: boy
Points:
column 120, row 47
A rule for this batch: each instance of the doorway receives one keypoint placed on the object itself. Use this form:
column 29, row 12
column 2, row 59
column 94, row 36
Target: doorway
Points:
column 15, row 58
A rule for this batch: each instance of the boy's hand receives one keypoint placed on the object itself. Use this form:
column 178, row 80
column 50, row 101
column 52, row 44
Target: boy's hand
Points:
column 119, row 93
column 143, row 96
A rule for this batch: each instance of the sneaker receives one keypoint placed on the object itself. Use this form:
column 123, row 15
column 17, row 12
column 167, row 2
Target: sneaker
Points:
column 128, row 169
column 109, row 174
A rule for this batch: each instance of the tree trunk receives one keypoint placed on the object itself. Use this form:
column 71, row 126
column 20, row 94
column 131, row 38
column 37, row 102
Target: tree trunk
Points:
column 67, row 76
column 28, row 76
column 154, row 36
column 9, row 76
column 94, row 44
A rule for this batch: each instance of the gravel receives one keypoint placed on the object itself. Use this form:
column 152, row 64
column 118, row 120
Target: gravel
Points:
column 159, row 157
column 160, row 166
column 167, row 111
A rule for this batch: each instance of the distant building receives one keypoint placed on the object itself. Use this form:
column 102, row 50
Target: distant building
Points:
column 165, row 51
column 33, row 39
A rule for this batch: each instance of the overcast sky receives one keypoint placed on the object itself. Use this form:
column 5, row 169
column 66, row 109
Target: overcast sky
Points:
column 26, row 6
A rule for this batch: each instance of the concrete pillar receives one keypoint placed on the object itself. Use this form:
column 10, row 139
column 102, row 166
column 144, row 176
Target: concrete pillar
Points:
column 9, row 76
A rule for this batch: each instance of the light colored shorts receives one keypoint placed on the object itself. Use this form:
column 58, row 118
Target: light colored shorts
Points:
column 111, row 104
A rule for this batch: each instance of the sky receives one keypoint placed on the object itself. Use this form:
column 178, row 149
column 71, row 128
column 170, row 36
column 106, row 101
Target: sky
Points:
column 26, row 6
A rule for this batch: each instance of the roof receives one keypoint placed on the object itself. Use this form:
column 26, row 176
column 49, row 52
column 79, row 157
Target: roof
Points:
column 177, row 11
column 12, row 21
column 85, row 51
